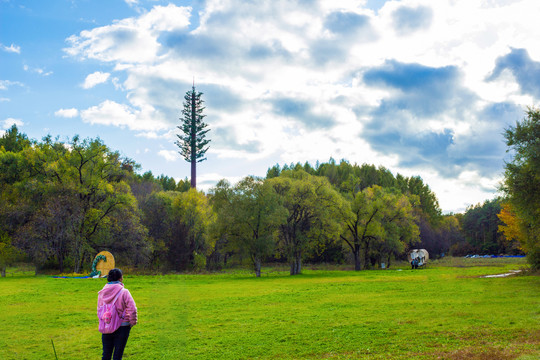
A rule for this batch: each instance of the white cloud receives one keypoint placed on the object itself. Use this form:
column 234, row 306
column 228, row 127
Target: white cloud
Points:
column 9, row 122
column 115, row 114
column 12, row 48
column 205, row 181
column 471, row 187
column 38, row 71
column 246, row 57
column 169, row 155
column 42, row 72
column 5, row 84
column 150, row 135
column 131, row 40
column 94, row 79
column 67, row 113
column 117, row 84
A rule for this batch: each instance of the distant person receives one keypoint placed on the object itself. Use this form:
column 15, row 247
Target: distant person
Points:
column 126, row 309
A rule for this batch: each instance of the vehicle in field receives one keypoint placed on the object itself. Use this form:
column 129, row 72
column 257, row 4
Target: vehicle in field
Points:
column 418, row 258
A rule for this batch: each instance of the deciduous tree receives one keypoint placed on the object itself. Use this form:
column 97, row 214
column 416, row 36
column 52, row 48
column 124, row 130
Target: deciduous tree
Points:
column 193, row 211
column 72, row 193
column 250, row 213
column 522, row 181
column 312, row 205
column 378, row 222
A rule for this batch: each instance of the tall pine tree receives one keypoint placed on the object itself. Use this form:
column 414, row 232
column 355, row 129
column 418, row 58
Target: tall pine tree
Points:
column 192, row 141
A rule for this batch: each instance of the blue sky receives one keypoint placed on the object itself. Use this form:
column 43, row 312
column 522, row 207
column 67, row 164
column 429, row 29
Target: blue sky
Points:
column 421, row 87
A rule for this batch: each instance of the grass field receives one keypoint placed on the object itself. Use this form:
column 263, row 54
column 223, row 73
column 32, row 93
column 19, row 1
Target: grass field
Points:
column 446, row 311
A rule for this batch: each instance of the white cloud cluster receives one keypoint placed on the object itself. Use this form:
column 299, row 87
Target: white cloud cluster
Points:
column 407, row 86
column 5, row 84
column 67, row 113
column 131, row 40
column 113, row 113
column 9, row 122
column 94, row 79
column 12, row 48
column 36, row 70
column 169, row 155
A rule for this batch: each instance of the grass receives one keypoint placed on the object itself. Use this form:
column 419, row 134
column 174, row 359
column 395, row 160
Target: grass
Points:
column 445, row 311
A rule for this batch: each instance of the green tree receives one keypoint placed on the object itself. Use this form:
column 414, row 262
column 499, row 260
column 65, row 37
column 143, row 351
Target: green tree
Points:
column 13, row 140
column 166, row 233
column 192, row 141
column 72, row 195
column 167, row 183
column 8, row 253
column 251, row 213
column 480, row 225
column 312, row 205
column 428, row 205
column 178, row 226
column 522, row 181
column 438, row 241
column 340, row 174
column 192, row 209
column 183, row 185
column 378, row 222
column 400, row 228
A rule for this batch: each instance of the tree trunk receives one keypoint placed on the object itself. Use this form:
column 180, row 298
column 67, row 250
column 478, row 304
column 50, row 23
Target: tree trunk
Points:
column 193, row 141
column 60, row 258
column 257, row 267
column 76, row 265
column 3, row 270
column 296, row 264
column 357, row 264
column 366, row 257
column 79, row 262
column 193, row 173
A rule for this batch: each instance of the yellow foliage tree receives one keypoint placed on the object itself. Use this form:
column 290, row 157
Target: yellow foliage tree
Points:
column 511, row 227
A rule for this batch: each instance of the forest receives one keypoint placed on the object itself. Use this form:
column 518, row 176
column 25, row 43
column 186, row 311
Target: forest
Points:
column 63, row 202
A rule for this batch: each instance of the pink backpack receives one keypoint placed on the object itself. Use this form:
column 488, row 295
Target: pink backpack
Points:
column 109, row 320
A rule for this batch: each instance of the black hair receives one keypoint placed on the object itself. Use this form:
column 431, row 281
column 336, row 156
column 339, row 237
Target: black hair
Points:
column 114, row 275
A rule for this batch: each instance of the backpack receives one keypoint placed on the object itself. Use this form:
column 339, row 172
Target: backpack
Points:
column 109, row 320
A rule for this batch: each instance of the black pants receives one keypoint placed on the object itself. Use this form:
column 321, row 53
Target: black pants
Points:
column 115, row 341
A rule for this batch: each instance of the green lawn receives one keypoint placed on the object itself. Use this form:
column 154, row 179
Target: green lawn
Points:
column 445, row 311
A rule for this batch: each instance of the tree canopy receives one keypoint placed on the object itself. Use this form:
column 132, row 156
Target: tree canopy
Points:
column 522, row 181
column 62, row 202
column 69, row 200
column 192, row 140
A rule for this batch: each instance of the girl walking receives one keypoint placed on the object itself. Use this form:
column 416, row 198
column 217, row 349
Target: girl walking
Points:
column 114, row 293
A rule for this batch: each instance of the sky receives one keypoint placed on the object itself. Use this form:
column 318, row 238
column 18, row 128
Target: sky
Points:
column 422, row 87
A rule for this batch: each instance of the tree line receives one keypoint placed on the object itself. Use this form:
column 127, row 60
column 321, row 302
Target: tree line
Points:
column 62, row 202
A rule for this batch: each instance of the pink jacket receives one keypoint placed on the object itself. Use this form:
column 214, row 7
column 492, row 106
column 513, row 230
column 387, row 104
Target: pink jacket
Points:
column 124, row 302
